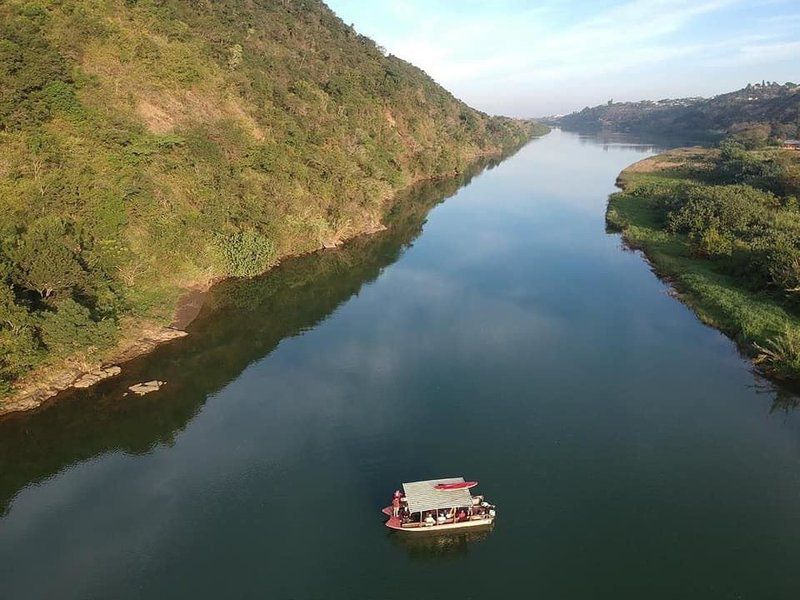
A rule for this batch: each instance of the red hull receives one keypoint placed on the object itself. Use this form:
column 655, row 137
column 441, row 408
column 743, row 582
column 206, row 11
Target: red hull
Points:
column 464, row 485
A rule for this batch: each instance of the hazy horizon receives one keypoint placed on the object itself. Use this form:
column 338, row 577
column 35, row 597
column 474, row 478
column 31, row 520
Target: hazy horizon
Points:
column 523, row 59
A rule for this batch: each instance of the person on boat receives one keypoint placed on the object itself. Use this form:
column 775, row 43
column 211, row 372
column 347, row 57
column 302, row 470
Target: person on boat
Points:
column 396, row 506
column 429, row 520
column 462, row 515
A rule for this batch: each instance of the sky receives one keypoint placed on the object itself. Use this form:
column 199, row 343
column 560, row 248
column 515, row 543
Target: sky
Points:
column 535, row 58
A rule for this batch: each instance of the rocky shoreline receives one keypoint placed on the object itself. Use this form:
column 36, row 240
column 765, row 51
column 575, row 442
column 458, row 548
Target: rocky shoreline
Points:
column 80, row 375
column 38, row 388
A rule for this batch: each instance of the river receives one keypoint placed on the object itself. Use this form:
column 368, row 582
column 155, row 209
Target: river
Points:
column 494, row 331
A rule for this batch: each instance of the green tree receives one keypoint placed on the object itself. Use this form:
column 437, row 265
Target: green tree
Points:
column 70, row 328
column 19, row 347
column 45, row 258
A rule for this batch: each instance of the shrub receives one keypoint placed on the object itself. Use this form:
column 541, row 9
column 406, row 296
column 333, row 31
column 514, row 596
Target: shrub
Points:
column 776, row 256
column 247, row 253
column 266, row 158
column 781, row 356
column 19, row 346
column 70, row 329
column 712, row 243
column 730, row 149
column 28, row 64
column 730, row 210
column 737, row 166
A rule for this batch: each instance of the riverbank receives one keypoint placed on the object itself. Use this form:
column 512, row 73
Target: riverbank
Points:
column 713, row 257
column 139, row 337
column 142, row 336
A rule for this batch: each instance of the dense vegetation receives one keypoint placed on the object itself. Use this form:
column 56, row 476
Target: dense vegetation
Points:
column 725, row 226
column 146, row 145
column 756, row 113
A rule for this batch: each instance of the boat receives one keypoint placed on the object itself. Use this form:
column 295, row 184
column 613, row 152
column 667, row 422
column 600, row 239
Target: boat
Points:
column 435, row 505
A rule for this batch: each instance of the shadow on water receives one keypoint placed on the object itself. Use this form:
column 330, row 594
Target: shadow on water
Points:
column 241, row 322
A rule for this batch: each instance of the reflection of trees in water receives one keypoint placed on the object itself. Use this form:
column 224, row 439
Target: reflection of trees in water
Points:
column 784, row 401
column 427, row 546
column 641, row 142
column 242, row 321
column 784, row 398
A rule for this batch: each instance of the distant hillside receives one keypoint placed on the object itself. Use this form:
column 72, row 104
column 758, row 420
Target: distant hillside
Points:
column 760, row 110
column 150, row 145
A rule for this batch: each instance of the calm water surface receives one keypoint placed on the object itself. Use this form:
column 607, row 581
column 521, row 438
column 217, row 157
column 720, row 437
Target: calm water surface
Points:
column 501, row 335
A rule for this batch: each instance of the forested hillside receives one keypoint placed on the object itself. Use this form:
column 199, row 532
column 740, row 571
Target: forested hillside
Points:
column 761, row 111
column 146, row 146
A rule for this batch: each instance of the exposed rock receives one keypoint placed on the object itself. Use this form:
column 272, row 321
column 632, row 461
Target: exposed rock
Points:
column 374, row 228
column 146, row 387
column 149, row 340
column 93, row 377
column 39, row 388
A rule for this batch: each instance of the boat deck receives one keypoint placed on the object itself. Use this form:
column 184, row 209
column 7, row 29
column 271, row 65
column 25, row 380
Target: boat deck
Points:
column 396, row 524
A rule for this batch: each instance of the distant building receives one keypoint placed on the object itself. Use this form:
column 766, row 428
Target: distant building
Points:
column 792, row 144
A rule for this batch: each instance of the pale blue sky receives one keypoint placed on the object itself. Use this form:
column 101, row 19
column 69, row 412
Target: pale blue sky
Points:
column 527, row 58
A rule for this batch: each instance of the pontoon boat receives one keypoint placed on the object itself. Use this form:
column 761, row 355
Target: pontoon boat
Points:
column 438, row 505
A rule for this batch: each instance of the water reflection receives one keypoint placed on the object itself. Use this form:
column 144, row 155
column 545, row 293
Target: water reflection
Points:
column 242, row 321
column 641, row 142
column 428, row 546
column 785, row 398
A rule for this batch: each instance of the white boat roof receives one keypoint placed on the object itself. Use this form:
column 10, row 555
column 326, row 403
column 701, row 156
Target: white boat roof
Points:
column 422, row 495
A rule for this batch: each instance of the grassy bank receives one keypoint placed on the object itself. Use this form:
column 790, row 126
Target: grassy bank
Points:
column 722, row 227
